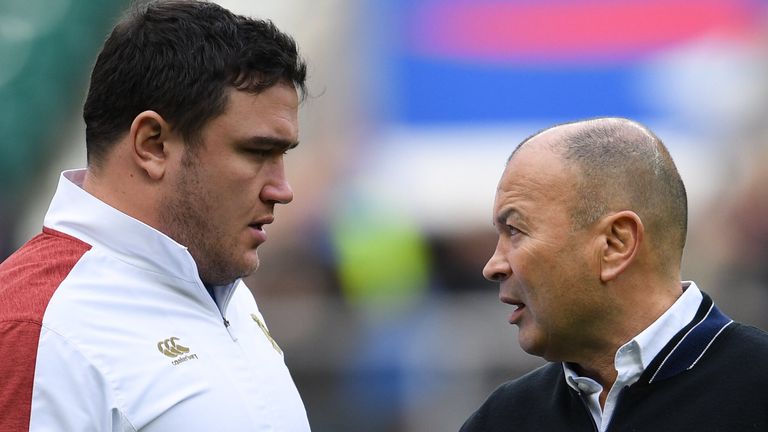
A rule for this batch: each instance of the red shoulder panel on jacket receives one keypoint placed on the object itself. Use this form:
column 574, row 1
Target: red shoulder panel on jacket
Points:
column 28, row 279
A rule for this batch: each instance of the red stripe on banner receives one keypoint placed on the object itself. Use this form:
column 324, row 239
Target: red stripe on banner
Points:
column 572, row 30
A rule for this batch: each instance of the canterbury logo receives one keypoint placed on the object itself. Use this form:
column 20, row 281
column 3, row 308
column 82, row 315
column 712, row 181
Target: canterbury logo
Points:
column 170, row 348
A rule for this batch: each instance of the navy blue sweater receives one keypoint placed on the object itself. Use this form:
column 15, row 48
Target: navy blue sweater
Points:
column 712, row 376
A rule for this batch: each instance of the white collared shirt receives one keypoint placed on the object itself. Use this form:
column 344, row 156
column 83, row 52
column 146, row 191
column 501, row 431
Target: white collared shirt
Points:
column 128, row 339
column 633, row 357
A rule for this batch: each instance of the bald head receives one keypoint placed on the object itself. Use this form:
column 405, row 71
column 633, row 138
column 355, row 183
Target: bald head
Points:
column 620, row 164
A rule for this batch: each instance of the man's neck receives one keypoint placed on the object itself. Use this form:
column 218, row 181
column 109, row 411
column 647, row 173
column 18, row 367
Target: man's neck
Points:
column 119, row 190
column 602, row 371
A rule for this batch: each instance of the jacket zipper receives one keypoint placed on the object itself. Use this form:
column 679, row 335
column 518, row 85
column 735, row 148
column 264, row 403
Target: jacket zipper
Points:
column 220, row 311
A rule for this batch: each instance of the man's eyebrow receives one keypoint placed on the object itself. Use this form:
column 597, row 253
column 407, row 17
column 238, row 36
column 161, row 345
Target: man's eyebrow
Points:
column 270, row 142
column 501, row 218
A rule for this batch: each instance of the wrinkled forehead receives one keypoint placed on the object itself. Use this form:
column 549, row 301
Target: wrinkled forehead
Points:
column 538, row 157
column 536, row 173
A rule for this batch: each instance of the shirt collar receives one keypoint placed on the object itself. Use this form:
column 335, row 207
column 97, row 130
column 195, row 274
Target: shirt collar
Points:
column 658, row 334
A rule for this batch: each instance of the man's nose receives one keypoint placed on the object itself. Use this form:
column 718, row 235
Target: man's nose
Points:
column 277, row 190
column 497, row 268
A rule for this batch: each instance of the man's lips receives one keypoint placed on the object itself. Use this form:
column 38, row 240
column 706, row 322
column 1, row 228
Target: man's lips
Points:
column 257, row 231
column 517, row 313
column 266, row 220
column 257, row 228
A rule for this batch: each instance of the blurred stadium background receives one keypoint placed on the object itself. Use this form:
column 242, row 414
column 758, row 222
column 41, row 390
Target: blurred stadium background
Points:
column 371, row 280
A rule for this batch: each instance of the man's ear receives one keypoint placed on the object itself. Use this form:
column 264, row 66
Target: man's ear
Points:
column 149, row 143
column 621, row 237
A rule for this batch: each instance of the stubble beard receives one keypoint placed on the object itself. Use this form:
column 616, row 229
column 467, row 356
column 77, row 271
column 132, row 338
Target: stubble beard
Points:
column 188, row 216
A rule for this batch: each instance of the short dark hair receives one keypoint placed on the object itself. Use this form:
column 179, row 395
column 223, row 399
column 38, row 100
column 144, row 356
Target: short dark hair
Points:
column 178, row 58
column 623, row 165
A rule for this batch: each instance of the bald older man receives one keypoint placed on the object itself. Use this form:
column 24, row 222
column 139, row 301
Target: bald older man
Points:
column 592, row 219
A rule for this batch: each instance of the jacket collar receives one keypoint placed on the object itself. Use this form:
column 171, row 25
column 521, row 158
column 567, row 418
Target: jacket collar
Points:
column 75, row 212
column 689, row 345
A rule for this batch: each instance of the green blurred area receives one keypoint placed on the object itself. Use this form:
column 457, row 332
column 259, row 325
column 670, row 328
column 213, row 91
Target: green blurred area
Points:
column 383, row 259
column 47, row 48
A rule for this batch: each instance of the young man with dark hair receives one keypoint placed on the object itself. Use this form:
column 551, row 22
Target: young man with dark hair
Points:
column 128, row 311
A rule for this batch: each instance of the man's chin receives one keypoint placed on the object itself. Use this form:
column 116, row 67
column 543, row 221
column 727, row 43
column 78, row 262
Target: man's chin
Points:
column 227, row 276
column 249, row 265
column 251, row 271
column 529, row 345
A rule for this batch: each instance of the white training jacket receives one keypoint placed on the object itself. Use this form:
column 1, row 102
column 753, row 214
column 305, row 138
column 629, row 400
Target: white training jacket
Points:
column 106, row 326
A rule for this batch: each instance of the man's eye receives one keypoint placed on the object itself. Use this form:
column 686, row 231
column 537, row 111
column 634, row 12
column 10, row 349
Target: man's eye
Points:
column 267, row 152
column 511, row 230
column 260, row 152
